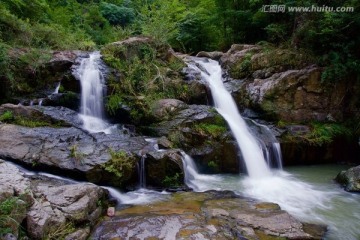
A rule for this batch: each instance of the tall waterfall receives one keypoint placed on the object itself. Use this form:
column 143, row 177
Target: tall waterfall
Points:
column 252, row 153
column 92, row 79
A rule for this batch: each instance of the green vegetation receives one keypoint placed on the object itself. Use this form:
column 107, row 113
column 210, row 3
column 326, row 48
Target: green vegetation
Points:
column 325, row 133
column 213, row 166
column 60, row 232
column 147, row 74
column 9, row 209
column 9, row 117
column 320, row 133
column 76, row 154
column 210, row 129
column 119, row 164
column 172, row 181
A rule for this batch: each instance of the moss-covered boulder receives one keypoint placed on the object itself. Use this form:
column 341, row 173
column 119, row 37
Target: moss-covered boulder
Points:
column 143, row 71
column 201, row 132
column 35, row 73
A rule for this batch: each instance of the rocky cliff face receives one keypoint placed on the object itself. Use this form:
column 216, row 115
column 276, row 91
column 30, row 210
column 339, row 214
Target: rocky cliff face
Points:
column 285, row 86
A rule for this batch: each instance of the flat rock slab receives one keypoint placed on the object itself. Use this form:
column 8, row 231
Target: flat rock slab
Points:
column 209, row 215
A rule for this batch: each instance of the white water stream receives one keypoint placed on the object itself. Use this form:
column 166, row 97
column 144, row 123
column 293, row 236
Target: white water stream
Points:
column 92, row 106
column 253, row 157
column 326, row 203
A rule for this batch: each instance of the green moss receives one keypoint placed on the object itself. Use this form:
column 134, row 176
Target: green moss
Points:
column 172, row 181
column 213, row 166
column 7, row 116
column 214, row 130
column 325, row 133
column 320, row 134
column 119, row 165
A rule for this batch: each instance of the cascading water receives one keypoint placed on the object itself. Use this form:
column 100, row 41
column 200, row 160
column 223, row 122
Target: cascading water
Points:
column 91, row 79
column 142, row 172
column 56, row 91
column 193, row 179
column 226, row 106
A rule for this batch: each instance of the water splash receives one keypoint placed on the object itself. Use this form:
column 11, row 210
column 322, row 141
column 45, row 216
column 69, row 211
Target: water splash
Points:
column 251, row 151
column 193, row 179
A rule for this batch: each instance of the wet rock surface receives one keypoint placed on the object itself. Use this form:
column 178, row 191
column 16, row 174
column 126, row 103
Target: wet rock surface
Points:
column 350, row 179
column 209, row 215
column 49, row 207
column 202, row 133
column 66, row 149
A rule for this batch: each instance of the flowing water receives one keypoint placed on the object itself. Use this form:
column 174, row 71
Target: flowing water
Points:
column 308, row 193
column 306, row 198
column 57, row 88
column 251, row 151
column 92, row 88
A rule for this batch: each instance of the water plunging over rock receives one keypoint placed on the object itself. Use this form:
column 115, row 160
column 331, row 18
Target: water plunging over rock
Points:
column 225, row 105
column 92, row 88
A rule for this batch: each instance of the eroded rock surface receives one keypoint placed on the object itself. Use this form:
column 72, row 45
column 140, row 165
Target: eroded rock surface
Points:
column 209, row 215
column 50, row 207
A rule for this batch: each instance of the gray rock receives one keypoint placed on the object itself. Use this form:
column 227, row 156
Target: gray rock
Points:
column 81, row 234
column 68, row 149
column 48, row 206
column 165, row 108
column 213, row 55
column 16, row 188
column 350, row 179
column 209, row 215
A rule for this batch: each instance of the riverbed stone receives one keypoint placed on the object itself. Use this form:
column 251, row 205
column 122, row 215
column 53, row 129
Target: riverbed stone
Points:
column 350, row 179
column 209, row 215
column 50, row 207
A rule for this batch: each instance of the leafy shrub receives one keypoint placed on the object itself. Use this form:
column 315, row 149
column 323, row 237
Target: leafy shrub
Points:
column 7, row 116
column 117, row 15
column 120, row 164
column 172, row 181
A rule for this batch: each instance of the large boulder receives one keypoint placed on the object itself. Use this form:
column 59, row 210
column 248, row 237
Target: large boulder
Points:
column 350, row 179
column 202, row 133
column 286, row 86
column 51, row 208
column 36, row 74
column 209, row 215
column 15, row 197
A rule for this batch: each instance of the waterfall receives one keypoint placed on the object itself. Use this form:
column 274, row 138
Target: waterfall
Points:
column 56, row 91
column 269, row 144
column 251, row 151
column 91, row 80
column 142, row 172
column 193, row 179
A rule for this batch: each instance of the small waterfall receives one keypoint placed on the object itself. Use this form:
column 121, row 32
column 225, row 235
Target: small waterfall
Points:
column 92, row 87
column 56, row 91
column 251, row 151
column 268, row 142
column 142, row 172
column 40, row 102
column 193, row 179
column 276, row 154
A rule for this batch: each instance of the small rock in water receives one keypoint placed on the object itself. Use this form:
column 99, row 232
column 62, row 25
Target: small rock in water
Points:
column 111, row 211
